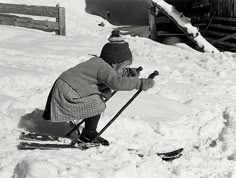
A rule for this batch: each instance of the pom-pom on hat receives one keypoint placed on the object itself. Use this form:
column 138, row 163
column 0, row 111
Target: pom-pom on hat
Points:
column 114, row 53
column 115, row 36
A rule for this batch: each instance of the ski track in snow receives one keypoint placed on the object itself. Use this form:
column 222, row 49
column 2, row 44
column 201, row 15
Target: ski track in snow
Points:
column 197, row 92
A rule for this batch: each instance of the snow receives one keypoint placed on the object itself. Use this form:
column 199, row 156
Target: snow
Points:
column 192, row 105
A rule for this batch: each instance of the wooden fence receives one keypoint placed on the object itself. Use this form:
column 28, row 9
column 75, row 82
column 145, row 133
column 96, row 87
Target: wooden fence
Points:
column 58, row 26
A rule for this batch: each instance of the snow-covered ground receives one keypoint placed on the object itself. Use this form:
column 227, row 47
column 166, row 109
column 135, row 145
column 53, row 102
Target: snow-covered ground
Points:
column 192, row 105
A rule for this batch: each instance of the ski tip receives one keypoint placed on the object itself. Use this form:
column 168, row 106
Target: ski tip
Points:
column 171, row 153
column 171, row 158
column 180, row 150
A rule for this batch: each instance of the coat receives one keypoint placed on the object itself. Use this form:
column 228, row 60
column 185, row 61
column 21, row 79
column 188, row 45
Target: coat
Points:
column 78, row 92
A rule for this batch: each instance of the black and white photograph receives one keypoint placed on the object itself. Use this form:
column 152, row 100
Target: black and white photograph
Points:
column 118, row 89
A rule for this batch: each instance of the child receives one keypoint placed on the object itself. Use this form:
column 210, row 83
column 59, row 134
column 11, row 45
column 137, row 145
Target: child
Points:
column 80, row 91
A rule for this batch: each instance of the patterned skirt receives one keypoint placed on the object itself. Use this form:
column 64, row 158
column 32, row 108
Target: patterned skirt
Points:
column 66, row 104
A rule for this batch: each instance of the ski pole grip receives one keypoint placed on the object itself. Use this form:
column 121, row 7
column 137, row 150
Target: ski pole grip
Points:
column 139, row 69
column 153, row 75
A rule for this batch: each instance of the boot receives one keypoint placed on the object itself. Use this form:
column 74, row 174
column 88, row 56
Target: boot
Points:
column 87, row 137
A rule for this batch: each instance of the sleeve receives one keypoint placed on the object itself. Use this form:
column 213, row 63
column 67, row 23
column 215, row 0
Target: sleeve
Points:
column 110, row 78
column 130, row 72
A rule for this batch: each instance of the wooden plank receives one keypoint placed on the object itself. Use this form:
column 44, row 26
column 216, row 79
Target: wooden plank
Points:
column 226, row 19
column 225, row 48
column 200, row 4
column 216, row 7
column 212, row 8
column 220, row 9
column 227, row 6
column 29, row 10
column 209, row 23
column 201, row 20
column 232, row 36
column 228, row 44
column 223, row 8
column 218, row 34
column 28, row 23
column 234, row 8
column 200, row 25
column 152, row 22
column 223, row 27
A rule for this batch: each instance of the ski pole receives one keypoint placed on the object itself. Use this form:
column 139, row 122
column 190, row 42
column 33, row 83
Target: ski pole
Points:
column 151, row 76
column 76, row 126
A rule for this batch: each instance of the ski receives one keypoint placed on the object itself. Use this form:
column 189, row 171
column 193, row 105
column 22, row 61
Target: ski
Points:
column 54, row 146
column 171, row 158
column 171, row 153
column 166, row 156
column 39, row 137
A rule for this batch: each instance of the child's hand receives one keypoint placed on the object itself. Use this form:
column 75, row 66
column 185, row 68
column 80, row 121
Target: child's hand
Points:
column 134, row 72
column 131, row 72
column 106, row 93
column 146, row 83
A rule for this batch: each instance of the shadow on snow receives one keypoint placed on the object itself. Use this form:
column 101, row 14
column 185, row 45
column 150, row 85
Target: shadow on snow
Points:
column 33, row 122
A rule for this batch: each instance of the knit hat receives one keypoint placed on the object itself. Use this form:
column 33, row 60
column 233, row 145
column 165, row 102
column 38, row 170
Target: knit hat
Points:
column 116, row 52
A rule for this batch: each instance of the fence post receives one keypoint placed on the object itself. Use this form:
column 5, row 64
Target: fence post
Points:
column 61, row 21
column 152, row 22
